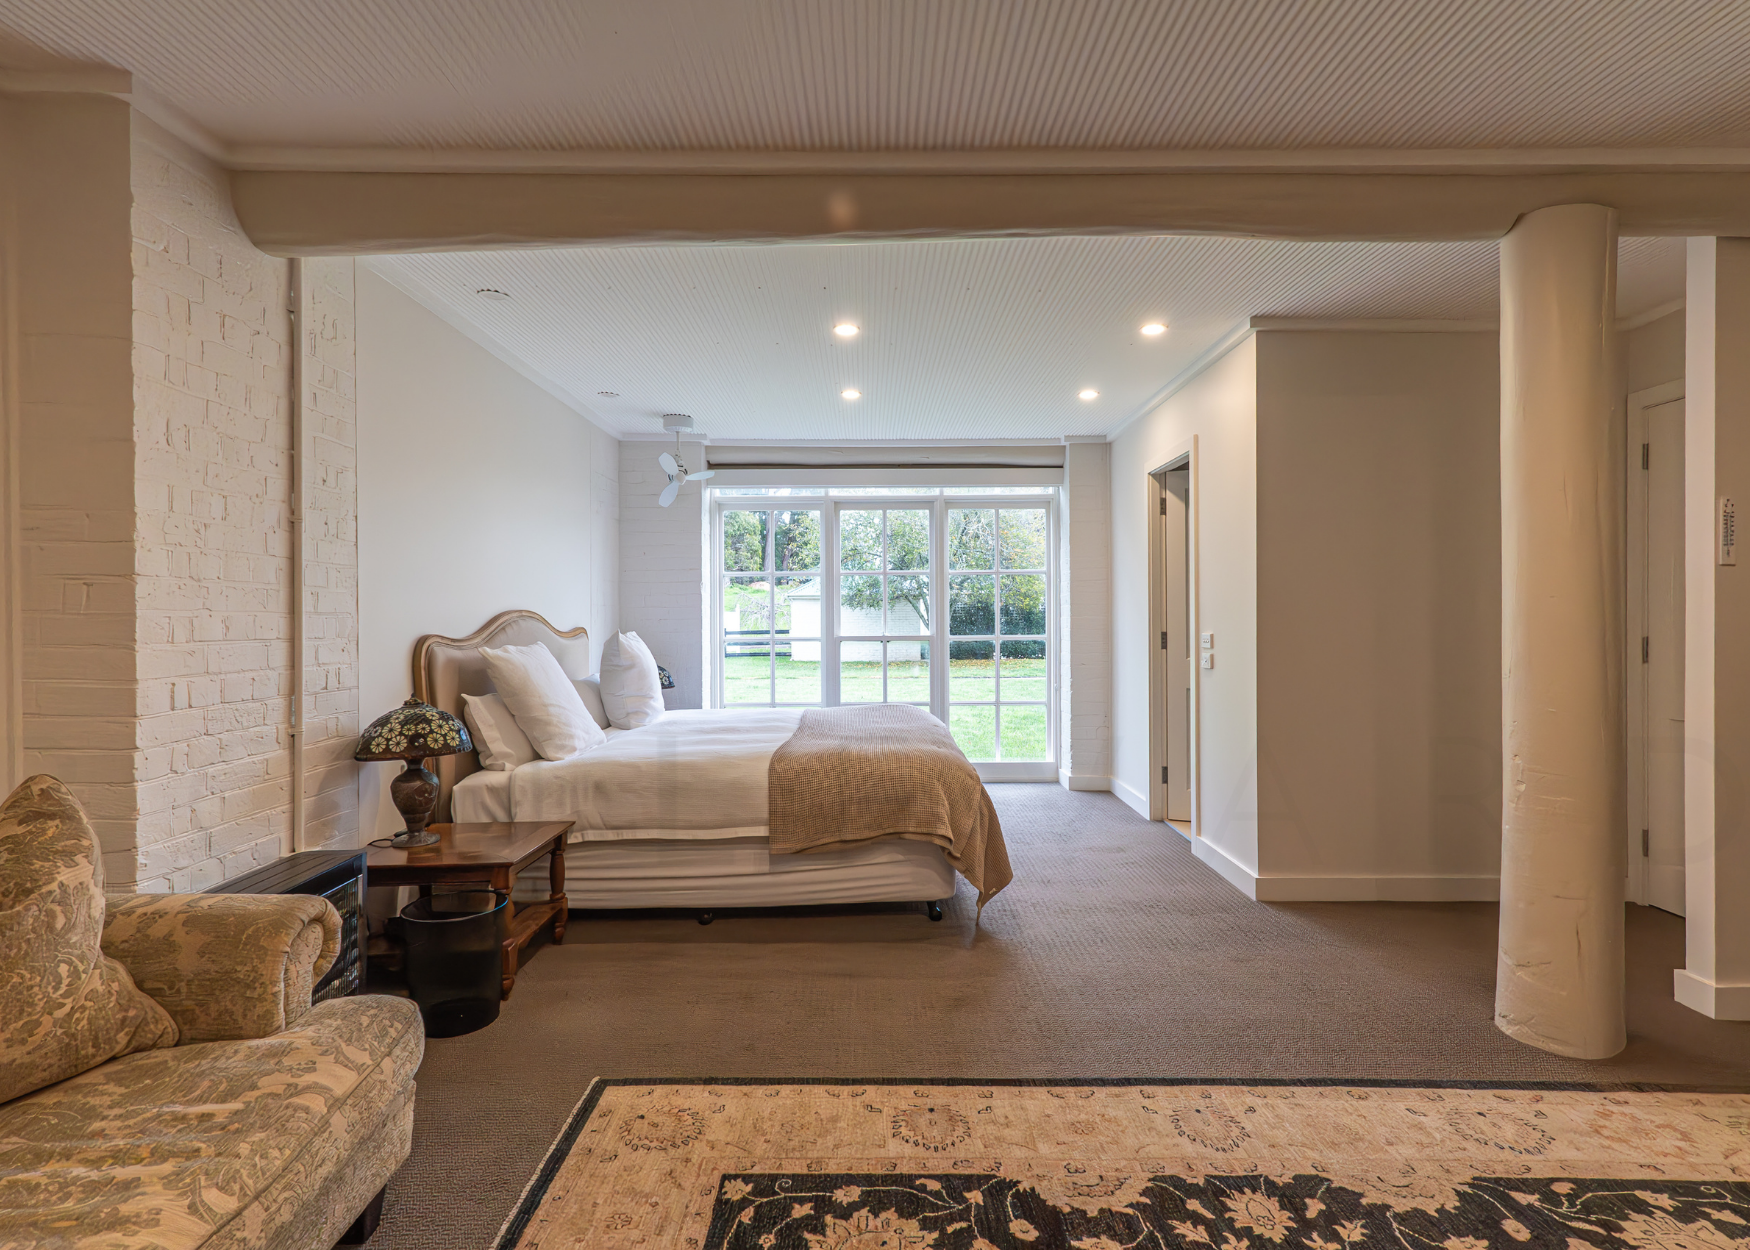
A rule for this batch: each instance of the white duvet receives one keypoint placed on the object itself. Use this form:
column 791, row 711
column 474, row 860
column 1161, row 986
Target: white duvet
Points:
column 691, row 775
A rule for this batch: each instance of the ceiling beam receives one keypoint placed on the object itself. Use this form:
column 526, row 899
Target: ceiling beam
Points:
column 316, row 213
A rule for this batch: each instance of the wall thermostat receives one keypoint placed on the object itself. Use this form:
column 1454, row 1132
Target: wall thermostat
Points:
column 1726, row 525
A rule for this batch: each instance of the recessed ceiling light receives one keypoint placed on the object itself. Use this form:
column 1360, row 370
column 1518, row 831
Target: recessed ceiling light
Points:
column 1090, row 393
column 609, row 394
column 851, row 392
column 845, row 330
column 492, row 293
column 1153, row 328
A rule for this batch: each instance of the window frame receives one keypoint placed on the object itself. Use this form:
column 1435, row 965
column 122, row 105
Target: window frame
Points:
column 938, row 502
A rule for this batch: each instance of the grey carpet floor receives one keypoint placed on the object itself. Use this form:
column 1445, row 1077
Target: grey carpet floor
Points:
column 1114, row 953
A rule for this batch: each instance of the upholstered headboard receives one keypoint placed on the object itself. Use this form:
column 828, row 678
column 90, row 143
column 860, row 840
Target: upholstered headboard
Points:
column 445, row 669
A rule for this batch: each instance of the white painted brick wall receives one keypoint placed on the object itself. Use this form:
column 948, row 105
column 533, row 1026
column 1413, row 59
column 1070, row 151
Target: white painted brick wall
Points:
column 662, row 554
column 1086, row 586
column 213, row 535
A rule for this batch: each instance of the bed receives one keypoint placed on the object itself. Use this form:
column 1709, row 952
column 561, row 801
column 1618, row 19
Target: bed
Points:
column 669, row 815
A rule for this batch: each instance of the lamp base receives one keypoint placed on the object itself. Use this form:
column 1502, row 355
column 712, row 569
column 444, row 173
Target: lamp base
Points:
column 407, row 838
column 415, row 793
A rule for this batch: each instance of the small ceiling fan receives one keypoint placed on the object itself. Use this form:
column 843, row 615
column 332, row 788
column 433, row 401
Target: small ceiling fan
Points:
column 672, row 465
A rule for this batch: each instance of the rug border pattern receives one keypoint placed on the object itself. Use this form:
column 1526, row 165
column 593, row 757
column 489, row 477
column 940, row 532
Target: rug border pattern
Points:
column 530, row 1200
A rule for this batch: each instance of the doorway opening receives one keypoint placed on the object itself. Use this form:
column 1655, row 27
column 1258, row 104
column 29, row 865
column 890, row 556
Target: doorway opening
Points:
column 1654, row 662
column 1173, row 671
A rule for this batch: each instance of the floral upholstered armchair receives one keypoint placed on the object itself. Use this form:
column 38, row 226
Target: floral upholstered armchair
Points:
column 164, row 1081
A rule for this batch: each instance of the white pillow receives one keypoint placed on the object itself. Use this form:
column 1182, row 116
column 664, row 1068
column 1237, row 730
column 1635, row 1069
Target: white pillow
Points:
column 591, row 690
column 631, row 686
column 500, row 741
column 546, row 705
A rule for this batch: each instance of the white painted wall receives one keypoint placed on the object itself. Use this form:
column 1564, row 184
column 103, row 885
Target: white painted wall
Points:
column 662, row 566
column 1219, row 409
column 1379, row 614
column 478, row 492
column 1085, row 617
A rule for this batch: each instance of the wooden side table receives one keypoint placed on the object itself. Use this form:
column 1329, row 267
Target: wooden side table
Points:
column 486, row 852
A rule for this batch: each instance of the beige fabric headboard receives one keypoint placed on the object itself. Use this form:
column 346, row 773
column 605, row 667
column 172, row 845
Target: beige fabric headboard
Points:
column 445, row 669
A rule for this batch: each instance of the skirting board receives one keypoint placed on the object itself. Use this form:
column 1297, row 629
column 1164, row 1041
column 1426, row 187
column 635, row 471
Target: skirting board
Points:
column 1347, row 889
column 1720, row 1002
column 1082, row 781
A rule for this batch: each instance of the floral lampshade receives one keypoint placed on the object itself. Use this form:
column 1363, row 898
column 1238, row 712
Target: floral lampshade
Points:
column 413, row 731
column 662, row 674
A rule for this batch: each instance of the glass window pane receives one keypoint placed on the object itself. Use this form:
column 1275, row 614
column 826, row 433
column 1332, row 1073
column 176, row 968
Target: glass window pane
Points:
column 744, row 542
column 908, row 539
column 1024, row 674
column 972, row 604
column 860, row 604
column 796, row 540
column 1024, row 733
column 747, row 607
column 972, row 538
column 747, row 668
column 860, row 672
column 908, row 603
column 975, row 730
column 908, row 672
column 797, row 606
column 859, row 540
column 798, row 673
column 972, row 671
column 1022, row 531
column 1023, row 607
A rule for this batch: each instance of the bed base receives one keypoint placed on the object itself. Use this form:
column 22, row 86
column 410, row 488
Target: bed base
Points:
column 932, row 907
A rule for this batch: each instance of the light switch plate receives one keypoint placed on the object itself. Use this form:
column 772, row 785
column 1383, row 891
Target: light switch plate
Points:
column 1209, row 659
column 1206, row 641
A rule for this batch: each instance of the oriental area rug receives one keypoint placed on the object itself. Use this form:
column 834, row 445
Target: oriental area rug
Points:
column 735, row 1165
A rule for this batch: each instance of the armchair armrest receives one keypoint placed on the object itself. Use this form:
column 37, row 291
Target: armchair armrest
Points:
column 225, row 966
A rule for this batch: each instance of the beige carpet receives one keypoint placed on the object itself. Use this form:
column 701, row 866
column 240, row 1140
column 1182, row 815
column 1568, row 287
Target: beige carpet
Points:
column 1114, row 954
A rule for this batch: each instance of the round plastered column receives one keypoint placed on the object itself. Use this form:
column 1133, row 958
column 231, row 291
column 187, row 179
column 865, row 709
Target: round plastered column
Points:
column 1559, row 968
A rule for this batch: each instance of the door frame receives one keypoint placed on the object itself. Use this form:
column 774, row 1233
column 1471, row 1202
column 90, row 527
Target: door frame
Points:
column 1184, row 456
column 1635, row 519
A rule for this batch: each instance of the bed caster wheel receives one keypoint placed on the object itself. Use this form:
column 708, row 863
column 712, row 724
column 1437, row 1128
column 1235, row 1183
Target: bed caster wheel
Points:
column 706, row 917
column 935, row 910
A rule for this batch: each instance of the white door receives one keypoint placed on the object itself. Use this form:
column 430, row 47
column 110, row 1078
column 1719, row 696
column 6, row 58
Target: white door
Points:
column 1175, row 499
column 1663, row 652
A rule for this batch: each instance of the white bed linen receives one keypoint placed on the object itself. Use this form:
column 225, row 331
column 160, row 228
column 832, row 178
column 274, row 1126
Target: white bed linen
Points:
column 481, row 797
column 691, row 775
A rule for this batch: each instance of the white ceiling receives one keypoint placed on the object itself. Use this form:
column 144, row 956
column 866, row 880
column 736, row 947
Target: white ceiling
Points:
column 964, row 339
column 926, row 74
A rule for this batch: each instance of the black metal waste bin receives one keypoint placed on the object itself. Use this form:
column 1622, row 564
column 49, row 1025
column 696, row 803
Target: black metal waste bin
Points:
column 455, row 943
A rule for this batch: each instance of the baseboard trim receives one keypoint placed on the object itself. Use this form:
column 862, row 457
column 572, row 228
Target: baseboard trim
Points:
column 1136, row 802
column 1710, row 998
column 1082, row 781
column 1237, row 874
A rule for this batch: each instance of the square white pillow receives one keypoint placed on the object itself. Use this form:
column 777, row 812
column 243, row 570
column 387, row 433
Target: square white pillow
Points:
column 546, row 705
column 501, row 743
column 591, row 690
column 631, row 686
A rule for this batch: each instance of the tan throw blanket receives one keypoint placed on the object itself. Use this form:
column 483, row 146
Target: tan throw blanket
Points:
column 849, row 774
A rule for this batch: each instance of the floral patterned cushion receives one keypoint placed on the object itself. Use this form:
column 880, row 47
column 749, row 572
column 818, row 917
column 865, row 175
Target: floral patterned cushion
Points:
column 225, row 966
column 65, row 1007
column 217, row 1144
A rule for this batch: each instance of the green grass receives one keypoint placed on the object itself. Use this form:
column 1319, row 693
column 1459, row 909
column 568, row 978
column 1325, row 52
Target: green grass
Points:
column 745, row 679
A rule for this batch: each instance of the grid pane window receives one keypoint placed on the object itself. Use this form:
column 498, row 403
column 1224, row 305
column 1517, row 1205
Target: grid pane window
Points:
column 998, row 671
column 885, row 601
column 771, row 602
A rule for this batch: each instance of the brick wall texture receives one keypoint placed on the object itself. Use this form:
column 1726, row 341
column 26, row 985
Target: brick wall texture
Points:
column 213, row 539
column 1085, row 675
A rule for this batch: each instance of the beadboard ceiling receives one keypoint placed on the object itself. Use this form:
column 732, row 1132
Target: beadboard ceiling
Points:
column 960, row 339
column 865, row 75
